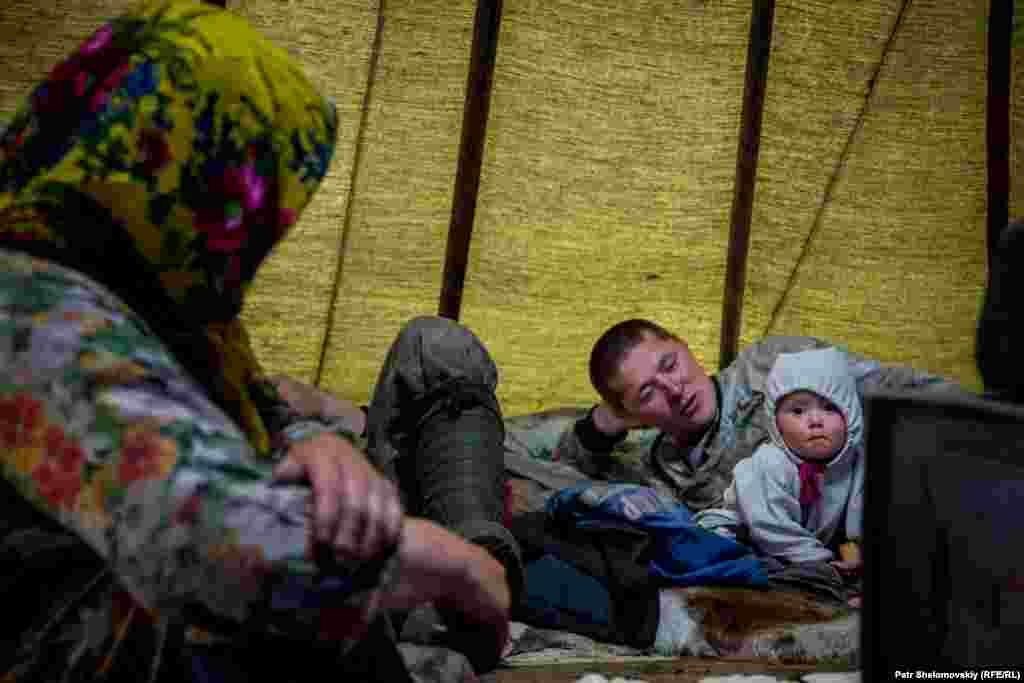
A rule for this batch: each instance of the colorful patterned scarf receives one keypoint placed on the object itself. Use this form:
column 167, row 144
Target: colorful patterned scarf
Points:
column 165, row 158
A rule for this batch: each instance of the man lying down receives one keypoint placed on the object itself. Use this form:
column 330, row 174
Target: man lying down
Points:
column 670, row 435
column 715, row 462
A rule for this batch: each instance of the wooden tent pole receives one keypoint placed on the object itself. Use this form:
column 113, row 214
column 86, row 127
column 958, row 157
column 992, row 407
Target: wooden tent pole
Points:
column 997, row 119
column 758, row 51
column 218, row 3
column 471, row 154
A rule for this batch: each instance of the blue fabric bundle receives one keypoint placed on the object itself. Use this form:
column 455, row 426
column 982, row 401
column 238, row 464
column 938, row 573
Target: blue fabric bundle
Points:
column 682, row 553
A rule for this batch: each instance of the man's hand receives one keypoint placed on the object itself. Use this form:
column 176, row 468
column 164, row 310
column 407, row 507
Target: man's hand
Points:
column 609, row 421
column 355, row 510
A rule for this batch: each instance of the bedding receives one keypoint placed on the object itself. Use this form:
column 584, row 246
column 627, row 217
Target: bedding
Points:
column 702, row 620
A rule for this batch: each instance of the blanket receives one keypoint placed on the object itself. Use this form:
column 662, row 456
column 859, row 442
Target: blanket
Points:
column 678, row 552
column 781, row 623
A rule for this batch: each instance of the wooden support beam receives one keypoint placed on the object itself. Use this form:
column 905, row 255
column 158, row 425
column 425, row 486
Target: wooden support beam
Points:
column 471, row 154
column 759, row 44
column 997, row 119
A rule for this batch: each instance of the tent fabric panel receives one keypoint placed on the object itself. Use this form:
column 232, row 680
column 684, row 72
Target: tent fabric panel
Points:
column 609, row 173
column 1017, row 114
column 607, row 178
column 824, row 56
column 287, row 308
column 394, row 249
column 897, row 269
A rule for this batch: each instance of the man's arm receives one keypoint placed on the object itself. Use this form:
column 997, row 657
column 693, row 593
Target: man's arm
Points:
column 588, row 444
column 755, row 362
column 609, row 455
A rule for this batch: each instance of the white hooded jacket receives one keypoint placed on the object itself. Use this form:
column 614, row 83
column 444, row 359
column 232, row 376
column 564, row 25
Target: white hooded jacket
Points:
column 765, row 492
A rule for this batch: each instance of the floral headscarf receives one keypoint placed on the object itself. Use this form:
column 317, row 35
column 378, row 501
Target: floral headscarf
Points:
column 165, row 158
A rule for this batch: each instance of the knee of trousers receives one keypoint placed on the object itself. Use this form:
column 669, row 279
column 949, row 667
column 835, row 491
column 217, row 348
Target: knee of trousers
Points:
column 443, row 350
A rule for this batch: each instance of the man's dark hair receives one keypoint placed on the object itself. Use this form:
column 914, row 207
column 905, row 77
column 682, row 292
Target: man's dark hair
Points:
column 612, row 347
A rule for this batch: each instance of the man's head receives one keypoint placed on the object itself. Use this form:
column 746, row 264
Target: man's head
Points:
column 812, row 426
column 647, row 374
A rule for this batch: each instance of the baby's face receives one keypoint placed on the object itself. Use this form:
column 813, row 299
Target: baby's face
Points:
column 812, row 426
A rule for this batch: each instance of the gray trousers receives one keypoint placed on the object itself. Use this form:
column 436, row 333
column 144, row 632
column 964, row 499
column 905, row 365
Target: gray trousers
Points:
column 435, row 427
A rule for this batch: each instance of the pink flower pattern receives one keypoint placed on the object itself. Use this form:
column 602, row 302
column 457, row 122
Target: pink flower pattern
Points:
column 98, row 64
column 243, row 195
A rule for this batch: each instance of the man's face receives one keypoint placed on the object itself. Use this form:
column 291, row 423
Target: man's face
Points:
column 811, row 425
column 664, row 386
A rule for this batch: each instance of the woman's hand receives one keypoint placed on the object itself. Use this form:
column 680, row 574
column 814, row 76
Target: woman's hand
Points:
column 355, row 510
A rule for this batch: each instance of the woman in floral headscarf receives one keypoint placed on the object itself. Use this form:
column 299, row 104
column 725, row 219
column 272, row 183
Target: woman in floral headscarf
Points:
column 146, row 527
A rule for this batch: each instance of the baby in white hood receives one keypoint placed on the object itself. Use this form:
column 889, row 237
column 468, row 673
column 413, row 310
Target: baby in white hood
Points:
column 801, row 494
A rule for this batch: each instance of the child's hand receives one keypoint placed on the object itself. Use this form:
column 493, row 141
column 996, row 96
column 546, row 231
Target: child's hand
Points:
column 850, row 551
column 850, row 563
column 848, row 569
column 850, row 566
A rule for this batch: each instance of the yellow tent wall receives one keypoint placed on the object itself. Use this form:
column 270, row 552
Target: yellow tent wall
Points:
column 608, row 176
